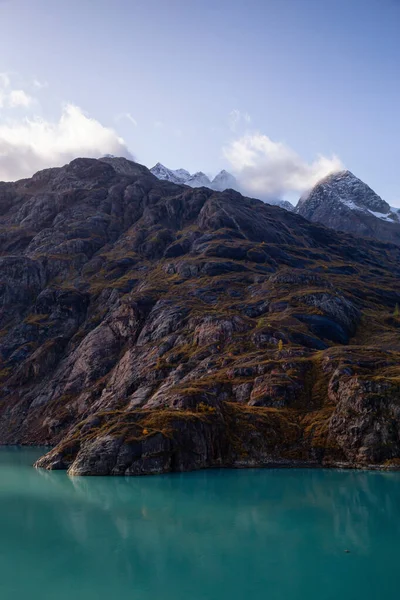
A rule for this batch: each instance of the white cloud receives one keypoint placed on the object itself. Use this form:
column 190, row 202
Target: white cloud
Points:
column 267, row 168
column 131, row 119
column 4, row 80
column 19, row 98
column 29, row 145
column 12, row 98
column 236, row 118
column 128, row 116
column 4, row 83
column 40, row 84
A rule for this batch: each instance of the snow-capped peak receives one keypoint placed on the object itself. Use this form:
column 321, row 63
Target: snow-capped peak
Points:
column 199, row 179
column 339, row 193
column 178, row 176
column 181, row 176
column 182, row 173
column 222, row 181
column 346, row 188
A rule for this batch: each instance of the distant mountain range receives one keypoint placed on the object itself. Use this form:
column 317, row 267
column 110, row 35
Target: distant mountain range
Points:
column 223, row 181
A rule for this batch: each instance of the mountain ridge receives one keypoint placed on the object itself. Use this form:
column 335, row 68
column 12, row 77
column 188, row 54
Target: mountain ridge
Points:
column 148, row 327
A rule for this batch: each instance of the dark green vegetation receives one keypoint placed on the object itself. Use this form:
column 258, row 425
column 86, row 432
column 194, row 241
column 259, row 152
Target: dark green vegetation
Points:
column 149, row 327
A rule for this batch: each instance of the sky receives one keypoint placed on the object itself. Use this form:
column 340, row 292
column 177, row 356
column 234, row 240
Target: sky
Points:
column 278, row 92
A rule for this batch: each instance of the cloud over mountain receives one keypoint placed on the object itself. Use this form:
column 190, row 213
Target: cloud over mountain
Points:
column 33, row 143
column 264, row 167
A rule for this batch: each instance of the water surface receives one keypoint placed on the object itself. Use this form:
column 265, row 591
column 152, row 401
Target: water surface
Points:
column 211, row 535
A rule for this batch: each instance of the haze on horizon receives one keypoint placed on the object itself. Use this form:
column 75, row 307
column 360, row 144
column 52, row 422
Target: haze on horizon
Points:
column 278, row 92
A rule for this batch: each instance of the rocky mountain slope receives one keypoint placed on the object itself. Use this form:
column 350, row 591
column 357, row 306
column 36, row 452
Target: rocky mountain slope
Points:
column 148, row 327
column 221, row 182
column 345, row 203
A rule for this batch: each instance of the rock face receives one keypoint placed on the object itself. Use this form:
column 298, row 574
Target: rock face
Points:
column 149, row 327
column 345, row 203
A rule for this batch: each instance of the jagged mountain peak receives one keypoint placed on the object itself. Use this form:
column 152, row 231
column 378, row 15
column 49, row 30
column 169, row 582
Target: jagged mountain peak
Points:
column 182, row 173
column 343, row 201
column 221, row 182
column 336, row 175
column 199, row 179
column 224, row 180
column 162, row 172
column 182, row 176
column 346, row 188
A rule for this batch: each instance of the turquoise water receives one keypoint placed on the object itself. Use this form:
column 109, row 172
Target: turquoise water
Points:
column 245, row 535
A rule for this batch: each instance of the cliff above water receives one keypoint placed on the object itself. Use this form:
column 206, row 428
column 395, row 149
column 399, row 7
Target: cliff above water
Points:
column 148, row 327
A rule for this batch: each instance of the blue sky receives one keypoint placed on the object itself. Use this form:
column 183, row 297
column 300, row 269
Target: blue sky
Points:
column 264, row 88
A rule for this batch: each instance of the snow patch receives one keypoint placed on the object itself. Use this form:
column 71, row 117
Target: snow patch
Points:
column 349, row 203
column 382, row 216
